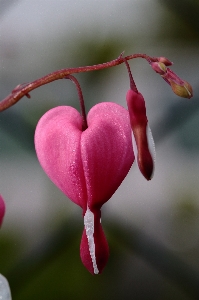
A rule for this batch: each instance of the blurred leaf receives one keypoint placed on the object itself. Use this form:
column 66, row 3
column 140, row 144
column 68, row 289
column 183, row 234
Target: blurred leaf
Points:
column 29, row 267
column 183, row 21
column 161, row 258
column 53, row 270
column 10, row 249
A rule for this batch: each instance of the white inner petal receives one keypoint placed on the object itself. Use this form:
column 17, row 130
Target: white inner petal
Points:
column 151, row 146
column 89, row 227
column 5, row 293
column 135, row 150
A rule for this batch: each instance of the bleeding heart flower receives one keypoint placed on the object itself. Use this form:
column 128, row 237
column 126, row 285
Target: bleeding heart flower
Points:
column 2, row 209
column 143, row 144
column 88, row 166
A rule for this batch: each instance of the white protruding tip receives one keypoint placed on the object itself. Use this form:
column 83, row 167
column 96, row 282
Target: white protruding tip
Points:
column 135, row 150
column 89, row 227
column 5, row 293
column 151, row 146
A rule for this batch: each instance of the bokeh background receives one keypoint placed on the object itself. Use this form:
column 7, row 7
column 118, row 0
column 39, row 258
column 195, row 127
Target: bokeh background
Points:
column 152, row 227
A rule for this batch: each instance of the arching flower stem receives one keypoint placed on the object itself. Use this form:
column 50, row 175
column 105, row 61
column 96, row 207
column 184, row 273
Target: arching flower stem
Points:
column 132, row 82
column 24, row 89
column 81, row 100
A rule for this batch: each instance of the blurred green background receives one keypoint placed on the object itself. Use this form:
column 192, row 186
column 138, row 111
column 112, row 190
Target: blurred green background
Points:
column 152, row 227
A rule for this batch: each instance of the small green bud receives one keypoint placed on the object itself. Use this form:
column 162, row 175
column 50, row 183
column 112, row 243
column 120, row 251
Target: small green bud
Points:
column 184, row 90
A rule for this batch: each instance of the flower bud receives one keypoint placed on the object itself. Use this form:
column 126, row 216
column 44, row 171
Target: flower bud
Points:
column 184, row 90
column 179, row 86
column 143, row 144
column 159, row 68
column 164, row 60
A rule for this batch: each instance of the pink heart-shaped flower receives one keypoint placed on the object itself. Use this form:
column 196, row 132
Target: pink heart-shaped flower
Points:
column 88, row 166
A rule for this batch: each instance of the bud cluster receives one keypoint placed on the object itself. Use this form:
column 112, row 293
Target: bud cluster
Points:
column 180, row 87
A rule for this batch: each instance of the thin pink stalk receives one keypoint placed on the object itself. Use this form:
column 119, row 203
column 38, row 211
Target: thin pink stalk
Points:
column 81, row 100
column 23, row 89
column 132, row 82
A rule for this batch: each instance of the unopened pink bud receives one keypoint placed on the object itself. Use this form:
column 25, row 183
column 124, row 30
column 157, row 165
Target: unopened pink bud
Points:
column 159, row 68
column 179, row 86
column 141, row 134
column 164, row 60
column 184, row 90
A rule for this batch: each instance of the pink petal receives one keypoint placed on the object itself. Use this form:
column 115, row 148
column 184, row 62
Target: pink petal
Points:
column 2, row 209
column 107, row 153
column 87, row 166
column 57, row 143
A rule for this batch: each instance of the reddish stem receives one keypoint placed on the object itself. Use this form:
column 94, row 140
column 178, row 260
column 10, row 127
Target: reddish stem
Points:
column 81, row 99
column 24, row 89
column 132, row 82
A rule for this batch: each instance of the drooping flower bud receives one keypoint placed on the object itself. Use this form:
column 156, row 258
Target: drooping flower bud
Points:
column 184, row 90
column 180, row 87
column 143, row 144
column 159, row 67
column 164, row 60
